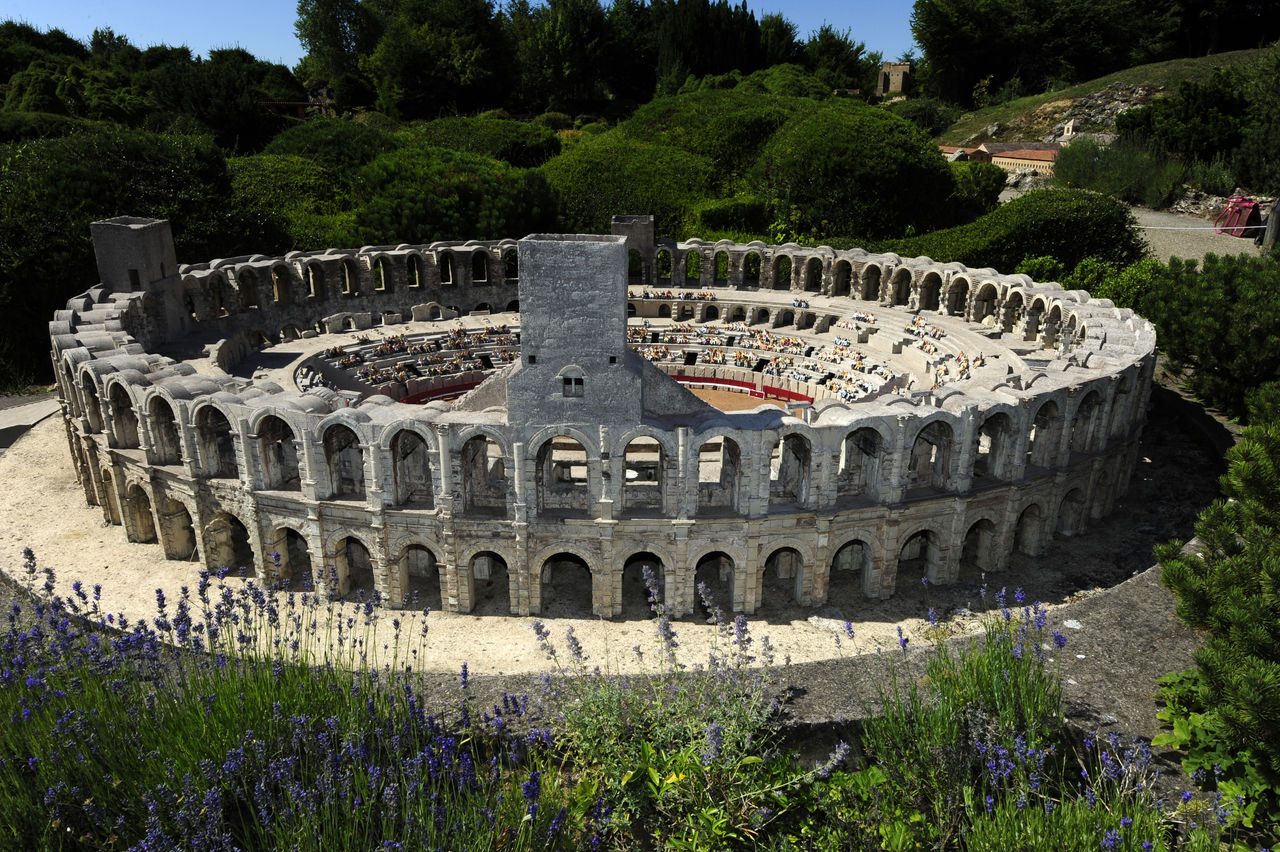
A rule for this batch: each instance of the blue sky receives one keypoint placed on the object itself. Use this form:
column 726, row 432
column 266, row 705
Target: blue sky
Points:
column 265, row 27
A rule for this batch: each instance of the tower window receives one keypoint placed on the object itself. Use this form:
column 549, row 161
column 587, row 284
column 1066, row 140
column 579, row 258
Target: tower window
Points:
column 573, row 386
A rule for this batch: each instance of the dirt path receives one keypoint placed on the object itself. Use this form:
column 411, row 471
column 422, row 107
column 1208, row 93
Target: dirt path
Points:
column 1180, row 235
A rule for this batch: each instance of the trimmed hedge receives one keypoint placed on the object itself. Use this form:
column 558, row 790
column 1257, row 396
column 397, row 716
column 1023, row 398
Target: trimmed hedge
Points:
column 519, row 143
column 336, row 143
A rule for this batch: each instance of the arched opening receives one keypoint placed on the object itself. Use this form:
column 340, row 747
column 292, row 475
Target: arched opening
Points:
column 247, row 283
column 870, row 289
column 1071, row 514
column 353, row 567
column 314, row 278
column 782, row 581
column 139, row 525
column 110, row 500
column 1031, row 326
column 1011, row 312
column 919, row 558
column 639, row 595
column 92, row 408
column 693, row 266
column 849, row 568
column 349, row 323
column 218, row 295
column 664, row 311
column 789, row 472
column 350, row 277
column 957, row 295
column 1119, row 420
column 787, row 317
column 1084, row 427
column 930, row 463
column 900, row 287
column 344, row 458
column 226, row 541
column 930, row 292
column 566, row 586
column 415, row 271
column 751, row 269
column 842, row 277
column 484, row 477
column 1027, row 534
column 511, row 264
column 411, row 470
column 861, row 454
column 124, row 420
column 280, row 280
column 290, row 332
column 479, row 267
column 685, row 311
column 491, row 584
column 513, row 307
column 738, row 314
column 631, row 309
column 279, row 450
column 995, row 443
column 1042, row 444
column 482, row 308
column 719, row 469
column 984, row 303
column 978, row 554
column 420, row 578
column 643, row 478
column 713, row 579
column 711, row 314
column 1052, row 324
column 217, row 446
column 663, row 265
column 813, row 275
column 782, row 272
column 166, row 446
column 292, row 560
column 177, row 533
column 444, row 263
column 761, row 317
column 635, row 267
column 722, row 267
column 382, row 276
column 561, row 478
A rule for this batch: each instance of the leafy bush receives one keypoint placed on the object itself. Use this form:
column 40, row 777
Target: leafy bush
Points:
column 18, row 126
column 1135, row 172
column 417, row 195
column 977, row 191
column 847, row 169
column 339, row 144
column 609, row 174
column 786, row 80
column 743, row 213
column 929, row 114
column 554, row 120
column 1221, row 321
column 519, row 143
column 1129, row 287
column 1041, row 268
column 304, row 196
column 1069, row 225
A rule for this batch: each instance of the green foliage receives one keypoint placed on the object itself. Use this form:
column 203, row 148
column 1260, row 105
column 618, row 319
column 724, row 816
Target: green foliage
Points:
column 418, row 195
column 1090, row 274
column 1203, row 121
column 977, row 190
column 1069, row 225
column 852, row 170
column 929, row 114
column 610, row 174
column 1263, row 402
column 21, row 126
column 1042, row 268
column 1221, row 321
column 304, row 197
column 788, row 81
column 1129, row 287
column 340, row 145
column 741, row 213
column 1132, row 171
column 519, row 143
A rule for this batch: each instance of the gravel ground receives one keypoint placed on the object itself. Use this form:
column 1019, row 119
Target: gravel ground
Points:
column 1179, row 235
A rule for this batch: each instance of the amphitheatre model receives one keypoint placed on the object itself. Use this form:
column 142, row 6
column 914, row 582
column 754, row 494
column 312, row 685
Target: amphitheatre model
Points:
column 383, row 419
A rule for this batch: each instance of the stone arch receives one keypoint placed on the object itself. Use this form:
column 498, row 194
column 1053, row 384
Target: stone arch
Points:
column 383, row 276
column 176, row 531
column 790, row 466
column 900, row 287
column 110, row 499
column 218, row 295
column 124, row 420
column 511, row 264
column 782, row 576
column 1028, row 532
column 664, row 311
column 634, row 602
column 353, row 567
column 281, row 284
column 1032, row 319
column 513, row 307
column 217, row 443
column 561, row 477
column 1045, row 435
column 782, row 271
column 993, row 456
column 930, row 292
column 984, row 302
column 278, row 450
column 289, row 331
column 761, row 316
column 415, row 271
column 719, row 475
column 445, row 265
column 861, row 462
column 751, row 265
column 344, row 461
column 227, row 543
column 663, row 265
column 566, row 582
column 644, row 476
column 290, row 560
column 738, row 314
column 785, row 317
column 313, row 279
column 722, row 268
column 411, row 470
column 1121, row 403
column 1051, row 326
column 247, row 285
column 979, row 551
column 92, row 407
column 487, row 577
column 693, row 265
column 957, row 296
column 1011, row 311
column 813, row 275
column 869, row 291
column 929, row 465
column 841, row 279
column 483, row 478
column 715, row 578
column 166, row 445
column 421, row 577
column 919, row 556
column 139, row 523
column 710, row 313
column 849, row 572
column 479, row 267
column 1071, row 513
column 1084, row 426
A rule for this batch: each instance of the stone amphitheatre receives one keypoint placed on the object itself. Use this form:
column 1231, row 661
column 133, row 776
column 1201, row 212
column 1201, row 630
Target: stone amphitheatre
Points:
column 517, row 423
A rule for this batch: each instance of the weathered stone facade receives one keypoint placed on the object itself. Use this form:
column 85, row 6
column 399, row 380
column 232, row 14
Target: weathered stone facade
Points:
column 571, row 467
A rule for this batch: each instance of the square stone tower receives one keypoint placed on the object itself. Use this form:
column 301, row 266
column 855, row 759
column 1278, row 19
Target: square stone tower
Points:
column 133, row 252
column 574, row 365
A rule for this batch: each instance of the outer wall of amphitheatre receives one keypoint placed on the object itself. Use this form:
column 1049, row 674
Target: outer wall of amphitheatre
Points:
column 579, row 461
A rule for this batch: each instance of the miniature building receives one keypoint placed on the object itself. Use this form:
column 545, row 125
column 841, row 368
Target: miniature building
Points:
column 895, row 78
column 255, row 412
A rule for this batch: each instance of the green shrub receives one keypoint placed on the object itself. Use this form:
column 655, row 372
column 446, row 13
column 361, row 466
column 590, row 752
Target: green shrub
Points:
column 1067, row 224
column 743, row 213
column 336, row 143
column 1128, row 288
column 19, row 126
column 929, row 114
column 977, row 191
column 519, row 143
column 554, row 120
column 602, row 176
column 843, row 168
column 418, row 195
column 1042, row 268
column 1090, row 274
column 304, row 196
column 1135, row 172
column 787, row 80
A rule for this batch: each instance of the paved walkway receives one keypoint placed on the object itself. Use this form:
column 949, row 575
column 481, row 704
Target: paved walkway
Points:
column 20, row 413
